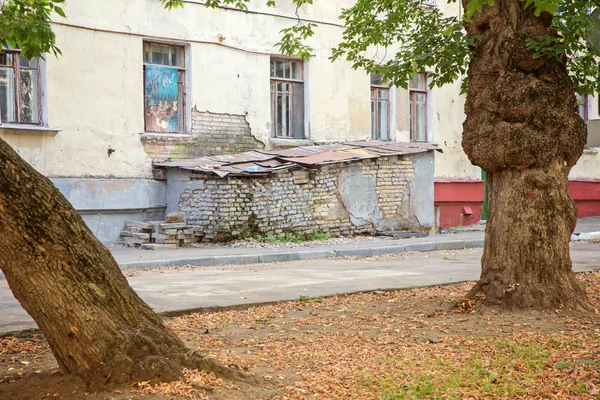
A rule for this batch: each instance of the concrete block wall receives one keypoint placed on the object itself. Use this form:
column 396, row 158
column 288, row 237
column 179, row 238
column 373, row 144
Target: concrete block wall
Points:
column 341, row 199
column 211, row 134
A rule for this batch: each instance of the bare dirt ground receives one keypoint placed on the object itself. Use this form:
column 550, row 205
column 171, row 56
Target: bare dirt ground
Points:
column 412, row 343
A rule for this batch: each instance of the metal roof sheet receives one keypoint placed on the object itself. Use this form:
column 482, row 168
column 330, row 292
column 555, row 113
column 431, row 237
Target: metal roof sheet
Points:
column 263, row 162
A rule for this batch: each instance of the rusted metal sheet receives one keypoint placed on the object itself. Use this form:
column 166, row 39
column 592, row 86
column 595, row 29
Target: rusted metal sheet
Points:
column 241, row 157
column 264, row 162
column 329, row 157
column 295, row 152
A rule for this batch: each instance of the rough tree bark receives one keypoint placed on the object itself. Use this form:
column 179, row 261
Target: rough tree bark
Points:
column 97, row 326
column 523, row 128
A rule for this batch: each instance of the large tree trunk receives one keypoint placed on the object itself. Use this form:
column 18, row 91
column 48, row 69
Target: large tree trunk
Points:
column 522, row 127
column 97, row 326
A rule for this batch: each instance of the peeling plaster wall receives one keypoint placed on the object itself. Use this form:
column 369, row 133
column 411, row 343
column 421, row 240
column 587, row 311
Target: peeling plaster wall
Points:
column 95, row 89
column 342, row 199
column 212, row 134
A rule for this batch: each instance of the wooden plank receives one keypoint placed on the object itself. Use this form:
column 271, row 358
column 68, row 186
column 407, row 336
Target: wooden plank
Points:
column 176, row 225
column 141, row 225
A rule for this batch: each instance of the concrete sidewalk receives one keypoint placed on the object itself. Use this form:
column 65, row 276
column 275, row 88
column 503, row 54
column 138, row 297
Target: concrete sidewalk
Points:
column 179, row 290
column 215, row 254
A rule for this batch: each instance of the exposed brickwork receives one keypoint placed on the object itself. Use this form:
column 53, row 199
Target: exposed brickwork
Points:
column 212, row 134
column 300, row 201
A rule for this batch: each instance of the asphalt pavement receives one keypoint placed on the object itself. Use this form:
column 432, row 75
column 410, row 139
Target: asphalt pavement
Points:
column 177, row 290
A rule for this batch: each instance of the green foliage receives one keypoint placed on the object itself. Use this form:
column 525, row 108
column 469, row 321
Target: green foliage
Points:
column 25, row 25
column 293, row 237
column 424, row 39
column 421, row 37
column 574, row 27
column 318, row 299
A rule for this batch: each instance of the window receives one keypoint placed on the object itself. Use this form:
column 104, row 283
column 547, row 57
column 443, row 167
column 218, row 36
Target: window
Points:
column 380, row 108
column 164, row 88
column 582, row 103
column 287, row 99
column 19, row 89
column 418, row 108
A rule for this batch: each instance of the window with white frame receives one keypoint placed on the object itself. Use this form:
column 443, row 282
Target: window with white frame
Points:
column 418, row 108
column 19, row 89
column 287, row 99
column 380, row 108
column 164, row 88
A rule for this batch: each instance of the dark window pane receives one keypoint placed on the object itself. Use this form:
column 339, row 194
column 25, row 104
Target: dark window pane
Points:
column 376, row 80
column 298, row 110
column 6, row 59
column 373, row 115
column 273, row 100
column 25, row 63
column 7, row 95
column 283, row 109
column 28, row 97
column 419, row 117
column 419, row 82
column 296, row 70
column 160, row 54
column 279, row 69
column 382, row 115
column 177, row 57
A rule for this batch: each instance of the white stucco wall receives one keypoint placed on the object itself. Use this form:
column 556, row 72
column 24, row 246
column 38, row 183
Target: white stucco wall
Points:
column 95, row 89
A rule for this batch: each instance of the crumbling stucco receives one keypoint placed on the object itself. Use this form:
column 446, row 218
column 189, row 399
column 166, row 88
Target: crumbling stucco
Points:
column 211, row 134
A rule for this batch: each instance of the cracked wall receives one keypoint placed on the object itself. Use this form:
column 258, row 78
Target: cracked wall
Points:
column 211, row 134
column 341, row 199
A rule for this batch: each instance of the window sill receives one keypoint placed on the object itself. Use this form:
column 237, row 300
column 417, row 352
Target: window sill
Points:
column 592, row 150
column 18, row 129
column 289, row 142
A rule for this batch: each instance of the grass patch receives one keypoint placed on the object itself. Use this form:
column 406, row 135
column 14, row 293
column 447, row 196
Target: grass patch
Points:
column 484, row 368
column 295, row 237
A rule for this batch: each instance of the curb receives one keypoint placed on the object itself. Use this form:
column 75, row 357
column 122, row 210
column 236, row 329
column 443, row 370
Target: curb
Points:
column 584, row 237
column 304, row 255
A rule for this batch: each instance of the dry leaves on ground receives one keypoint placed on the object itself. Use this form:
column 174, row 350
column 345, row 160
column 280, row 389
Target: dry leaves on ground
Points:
column 382, row 345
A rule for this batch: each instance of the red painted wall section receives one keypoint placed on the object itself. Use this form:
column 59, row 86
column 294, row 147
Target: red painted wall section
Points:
column 587, row 197
column 458, row 202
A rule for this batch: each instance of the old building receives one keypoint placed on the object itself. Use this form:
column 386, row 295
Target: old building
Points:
column 137, row 84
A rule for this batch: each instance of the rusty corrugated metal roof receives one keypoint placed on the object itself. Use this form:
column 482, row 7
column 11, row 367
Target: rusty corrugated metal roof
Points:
column 263, row 162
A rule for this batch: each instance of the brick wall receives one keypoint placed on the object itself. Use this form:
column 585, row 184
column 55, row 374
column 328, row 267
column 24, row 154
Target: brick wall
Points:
column 341, row 199
column 211, row 134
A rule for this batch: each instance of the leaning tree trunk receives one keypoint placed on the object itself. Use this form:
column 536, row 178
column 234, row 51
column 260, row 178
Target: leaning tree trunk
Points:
column 97, row 326
column 523, row 129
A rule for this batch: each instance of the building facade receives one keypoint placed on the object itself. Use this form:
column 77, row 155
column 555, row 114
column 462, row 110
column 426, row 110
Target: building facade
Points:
column 137, row 84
